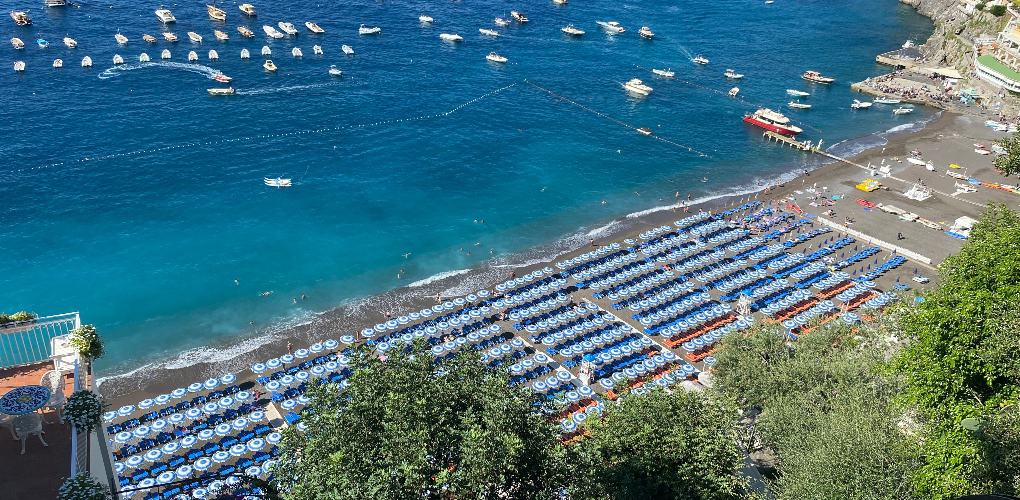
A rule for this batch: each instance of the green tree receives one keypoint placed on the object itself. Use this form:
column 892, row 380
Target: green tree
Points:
column 1009, row 164
column 86, row 340
column 1000, row 448
column 964, row 356
column 997, row 10
column 404, row 428
column 660, row 445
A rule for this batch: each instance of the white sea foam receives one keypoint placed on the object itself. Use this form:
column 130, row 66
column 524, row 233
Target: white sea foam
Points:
column 123, row 68
column 901, row 128
column 439, row 276
column 602, row 230
column 290, row 88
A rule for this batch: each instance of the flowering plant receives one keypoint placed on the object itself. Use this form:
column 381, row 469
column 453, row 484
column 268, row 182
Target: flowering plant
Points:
column 82, row 486
column 83, row 410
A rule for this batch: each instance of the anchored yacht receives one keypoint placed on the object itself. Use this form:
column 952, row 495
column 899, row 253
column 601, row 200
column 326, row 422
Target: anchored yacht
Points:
column 248, row 9
column 287, row 28
column 611, row 27
column 636, row 86
column 314, row 28
column 571, row 30
column 165, row 16
column 496, row 58
column 216, row 13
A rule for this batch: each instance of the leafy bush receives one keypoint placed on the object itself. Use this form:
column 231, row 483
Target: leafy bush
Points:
column 18, row 316
column 83, row 409
column 82, row 486
column 997, row 10
column 85, row 339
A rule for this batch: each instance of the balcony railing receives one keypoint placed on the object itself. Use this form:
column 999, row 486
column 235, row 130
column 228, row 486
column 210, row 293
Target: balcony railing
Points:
column 32, row 341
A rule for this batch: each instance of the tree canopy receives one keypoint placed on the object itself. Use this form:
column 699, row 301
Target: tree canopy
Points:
column 405, row 428
column 1009, row 163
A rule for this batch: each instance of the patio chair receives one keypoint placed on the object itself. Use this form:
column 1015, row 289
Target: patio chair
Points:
column 30, row 423
column 55, row 381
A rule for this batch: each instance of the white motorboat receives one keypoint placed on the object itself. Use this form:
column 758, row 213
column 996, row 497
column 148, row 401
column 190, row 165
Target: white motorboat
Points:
column 317, row 50
column 245, row 54
column 266, row 51
column 17, row 43
column 213, row 55
column 70, row 42
column 143, row 57
column 335, row 71
column 347, row 50
column 221, row 35
column 797, row 93
column 886, row 100
column 287, row 28
column 314, row 28
column 488, row 32
column 245, row 32
column 700, row 59
column 860, row 104
column 425, row 19
column 117, row 59
column 369, row 30
column 636, row 86
column 86, row 62
column 216, row 13
column 798, row 105
column 559, row 2
column 269, row 65
column 58, row 63
column 903, row 111
column 170, row 37
column 816, row 77
column 192, row 56
column 271, row 31
column 21, row 18
column 646, row 33
column 496, row 58
column 665, row 73
column 165, row 54
column 165, row 16
column 451, row 37
column 194, row 37
column 501, row 22
column 572, row 30
column 733, row 92
column 221, row 91
column 296, row 52
column 121, row 39
column 732, row 75
column 147, row 38
column 55, row 3
column 19, row 66
column 611, row 27
column 279, row 182
column 518, row 16
column 220, row 77
column 248, row 9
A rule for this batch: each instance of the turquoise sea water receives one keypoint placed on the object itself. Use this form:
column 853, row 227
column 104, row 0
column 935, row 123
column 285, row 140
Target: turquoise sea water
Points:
column 134, row 197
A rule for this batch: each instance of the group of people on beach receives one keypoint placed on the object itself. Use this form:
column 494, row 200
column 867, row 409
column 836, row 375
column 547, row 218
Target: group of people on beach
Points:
column 887, row 84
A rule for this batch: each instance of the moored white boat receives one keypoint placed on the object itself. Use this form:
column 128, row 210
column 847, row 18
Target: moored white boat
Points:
column 70, row 42
column 165, row 16
column 797, row 93
column 194, row 37
column 732, row 75
column 646, row 33
column 165, row 54
column 296, row 52
column 21, row 18
column 287, row 28
column 347, row 50
column 169, row 36
column 488, row 32
column 86, row 62
column 213, row 55
column 277, row 182
column 245, row 54
column 572, row 30
column 216, row 13
column 369, row 30
column 860, row 104
column 314, row 28
column 221, row 35
column 269, row 65
column 58, row 63
column 245, row 32
column 518, row 16
column 117, row 59
column 425, row 19
column 496, row 58
column 665, row 73
column 19, row 66
column 501, row 22
column 272, row 32
column 317, row 50
column 335, row 71
column 221, row 91
column 248, row 9
column 611, row 27
column 143, row 57
column 700, row 59
column 266, row 51
column 17, row 43
column 637, row 87
column 887, row 100
column 903, row 111
column 816, row 77
column 450, row 37
column 733, row 92
column 121, row 39
column 798, row 105
column 147, row 38
column 192, row 56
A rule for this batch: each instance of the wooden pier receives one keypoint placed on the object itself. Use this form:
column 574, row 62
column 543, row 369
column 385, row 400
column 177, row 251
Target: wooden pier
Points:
column 805, row 146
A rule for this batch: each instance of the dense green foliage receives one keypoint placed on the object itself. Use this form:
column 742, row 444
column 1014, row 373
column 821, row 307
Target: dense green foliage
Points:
column 826, row 410
column 1009, row 163
column 83, row 486
column 402, row 429
column 997, row 10
column 18, row 316
column 85, row 339
column 660, row 445
column 83, row 409
column 964, row 356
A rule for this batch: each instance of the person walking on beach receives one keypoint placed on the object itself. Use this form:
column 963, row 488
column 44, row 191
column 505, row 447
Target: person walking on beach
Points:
column 290, row 348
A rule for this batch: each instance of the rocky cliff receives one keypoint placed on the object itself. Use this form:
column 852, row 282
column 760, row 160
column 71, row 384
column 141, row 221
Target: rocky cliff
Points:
column 951, row 44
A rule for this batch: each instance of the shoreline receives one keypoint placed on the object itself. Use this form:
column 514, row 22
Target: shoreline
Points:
column 236, row 354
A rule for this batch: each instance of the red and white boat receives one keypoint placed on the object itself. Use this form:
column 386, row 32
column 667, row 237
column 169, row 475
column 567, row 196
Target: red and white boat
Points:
column 772, row 121
column 816, row 77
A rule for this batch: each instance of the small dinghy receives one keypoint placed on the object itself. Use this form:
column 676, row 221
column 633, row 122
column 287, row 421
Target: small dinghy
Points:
column 450, row 37
column 278, row 182
column 733, row 92
column 58, row 63
column 194, row 37
column 165, row 54
column 860, row 104
column 335, row 71
column 269, row 65
column 86, row 62
column 19, row 66
column 665, row 73
column 245, row 54
column 488, row 32
column 317, row 50
column 213, row 55
column 266, row 51
column 296, row 52
column 347, row 50
column 798, row 105
column 496, row 58
column 143, row 57
column 192, row 56
column 117, row 59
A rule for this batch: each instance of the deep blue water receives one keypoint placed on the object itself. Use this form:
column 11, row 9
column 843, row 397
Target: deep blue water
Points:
column 147, row 235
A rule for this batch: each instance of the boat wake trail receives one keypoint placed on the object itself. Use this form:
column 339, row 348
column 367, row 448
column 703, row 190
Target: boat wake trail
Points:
column 263, row 137
column 277, row 90
column 193, row 68
column 615, row 120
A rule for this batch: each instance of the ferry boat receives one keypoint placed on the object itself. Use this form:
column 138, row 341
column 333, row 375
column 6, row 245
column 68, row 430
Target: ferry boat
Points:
column 86, row 62
column 369, row 30
column 665, row 73
column 335, row 71
column 213, row 55
column 287, row 28
column 636, row 86
column 221, row 35
column 169, row 36
column 425, row 19
column 816, row 77
column 165, row 55
column 70, row 42
column 501, row 22
column 798, row 105
column 646, row 33
column 451, row 37
column 317, row 50
column 220, row 77
column 772, row 121
column 226, row 91
column 245, row 54
column 58, row 63
column 700, row 59
column 245, row 32
column 17, row 43
column 860, row 104
column 42, row 43
column 194, row 37
column 165, row 16
column 21, row 18
column 733, row 92
column 143, row 57
column 192, row 56
column 611, row 27
column 797, row 93
column 121, row 39
column 216, row 13
column 269, row 65
column 248, row 9
column 271, row 31
column 314, row 28
column 732, row 75
column 571, row 30
column 903, row 111
column 117, row 59
column 296, row 52
column 266, row 51
column 886, row 100
column 347, row 50
column 147, row 38
column 496, row 58
column 518, row 16
column 488, row 32
column 19, row 66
